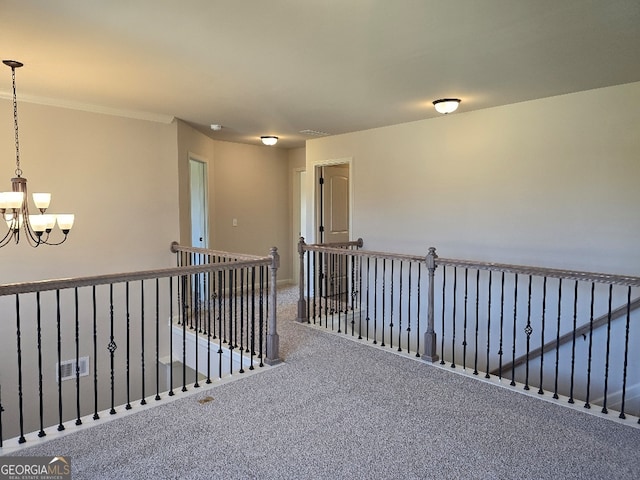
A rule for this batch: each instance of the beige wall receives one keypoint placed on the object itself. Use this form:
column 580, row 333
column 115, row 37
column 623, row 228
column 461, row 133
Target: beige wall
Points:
column 247, row 182
column 118, row 176
column 252, row 185
column 550, row 182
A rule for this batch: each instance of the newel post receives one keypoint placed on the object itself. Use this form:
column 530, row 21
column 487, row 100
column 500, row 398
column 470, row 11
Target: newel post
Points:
column 302, row 303
column 430, row 354
column 273, row 341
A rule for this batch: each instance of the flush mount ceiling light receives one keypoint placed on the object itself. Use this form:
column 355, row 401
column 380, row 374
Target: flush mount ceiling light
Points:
column 14, row 205
column 446, row 105
column 269, row 140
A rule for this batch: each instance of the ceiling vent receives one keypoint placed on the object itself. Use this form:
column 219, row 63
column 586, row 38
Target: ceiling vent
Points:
column 314, row 133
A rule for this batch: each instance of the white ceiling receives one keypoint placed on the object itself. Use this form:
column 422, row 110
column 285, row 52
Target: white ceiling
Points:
column 277, row 67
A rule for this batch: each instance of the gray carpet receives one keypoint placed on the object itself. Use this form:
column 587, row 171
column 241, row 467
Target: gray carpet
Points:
column 338, row 409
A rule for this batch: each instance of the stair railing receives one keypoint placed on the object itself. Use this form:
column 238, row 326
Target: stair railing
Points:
column 568, row 333
column 84, row 346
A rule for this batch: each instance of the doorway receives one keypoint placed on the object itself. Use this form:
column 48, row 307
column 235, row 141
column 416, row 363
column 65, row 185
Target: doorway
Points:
column 199, row 203
column 333, row 200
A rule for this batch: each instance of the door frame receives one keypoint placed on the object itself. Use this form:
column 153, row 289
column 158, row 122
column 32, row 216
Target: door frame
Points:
column 196, row 158
column 314, row 214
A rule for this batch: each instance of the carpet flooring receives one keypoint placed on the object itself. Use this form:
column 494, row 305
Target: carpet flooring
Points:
column 340, row 409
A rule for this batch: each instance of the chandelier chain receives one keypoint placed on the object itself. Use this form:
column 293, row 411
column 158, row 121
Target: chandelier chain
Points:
column 15, row 122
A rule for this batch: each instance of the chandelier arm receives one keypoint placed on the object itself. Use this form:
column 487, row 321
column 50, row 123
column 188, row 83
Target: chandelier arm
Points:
column 56, row 243
column 7, row 237
column 32, row 238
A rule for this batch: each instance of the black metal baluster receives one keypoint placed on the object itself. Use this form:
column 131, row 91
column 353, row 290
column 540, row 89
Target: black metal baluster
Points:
column 253, row 315
column 261, row 321
column 221, row 333
column 384, row 296
column 464, row 326
column 1, row 412
column 171, row 393
column 453, row 320
column 112, row 349
column 375, row 301
column 399, row 308
column 368, row 282
column 544, row 315
column 606, row 365
column 207, row 281
column 77, row 339
column 238, row 311
column 337, row 292
column 555, row 387
column 22, row 439
column 309, row 300
column 59, row 332
column 128, row 348
column 515, row 318
column 489, row 296
column 157, row 397
column 418, row 313
column 195, row 292
column 354, row 293
column 391, row 305
column 360, row 298
column 183, row 310
column 95, row 355
column 528, row 330
column 500, row 350
column 320, row 276
column 573, row 341
column 142, row 365
column 475, row 355
column 42, row 433
column 444, row 298
column 587, row 404
column 626, row 355
column 241, row 318
column 408, row 307
column 232, row 294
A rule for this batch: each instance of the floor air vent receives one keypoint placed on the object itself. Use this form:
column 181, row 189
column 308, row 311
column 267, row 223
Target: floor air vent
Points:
column 68, row 368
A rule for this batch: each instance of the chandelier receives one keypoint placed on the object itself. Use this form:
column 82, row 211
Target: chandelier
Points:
column 14, row 205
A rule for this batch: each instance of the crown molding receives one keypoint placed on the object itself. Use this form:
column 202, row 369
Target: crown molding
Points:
column 86, row 107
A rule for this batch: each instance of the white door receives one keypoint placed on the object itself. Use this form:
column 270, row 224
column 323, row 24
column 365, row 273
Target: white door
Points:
column 199, row 220
column 199, row 205
column 334, row 203
column 333, row 215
